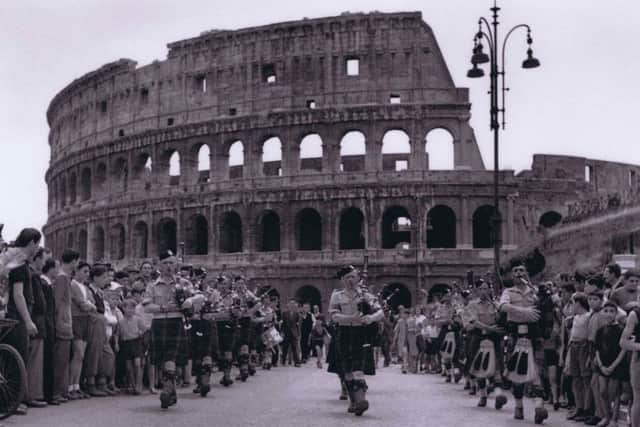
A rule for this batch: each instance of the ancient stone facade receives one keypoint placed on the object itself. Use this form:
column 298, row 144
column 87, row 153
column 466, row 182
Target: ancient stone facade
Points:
column 174, row 155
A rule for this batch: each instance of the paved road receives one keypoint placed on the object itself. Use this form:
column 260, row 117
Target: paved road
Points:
column 288, row 396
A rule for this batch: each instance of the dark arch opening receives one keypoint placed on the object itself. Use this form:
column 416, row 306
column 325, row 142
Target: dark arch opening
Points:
column 71, row 244
column 140, row 237
column 482, row 227
column 82, row 244
column 231, row 233
column 441, row 227
column 197, row 236
column 167, row 235
column 309, row 294
column 72, row 188
column 309, row 230
column 268, row 232
column 63, row 192
column 396, row 227
column 85, row 184
column 117, row 242
column 438, row 290
column 352, row 229
column 98, row 244
column 550, row 219
column 396, row 294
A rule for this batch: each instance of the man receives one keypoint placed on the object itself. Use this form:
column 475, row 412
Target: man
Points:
column 307, row 321
column 48, row 276
column 612, row 276
column 345, row 310
column 64, row 325
column 35, row 364
column 20, row 301
column 519, row 303
column 291, row 332
column 626, row 295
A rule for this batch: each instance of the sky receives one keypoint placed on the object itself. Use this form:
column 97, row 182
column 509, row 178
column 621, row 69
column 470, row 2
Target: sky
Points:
column 582, row 101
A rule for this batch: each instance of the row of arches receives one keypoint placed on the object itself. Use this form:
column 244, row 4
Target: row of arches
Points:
column 395, row 151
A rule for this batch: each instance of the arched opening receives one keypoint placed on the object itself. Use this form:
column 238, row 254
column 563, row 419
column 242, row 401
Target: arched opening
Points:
column 482, row 227
column 63, row 192
column 82, row 244
column 101, row 176
column 167, row 235
column 309, row 230
column 231, row 233
column 396, row 150
column 437, row 291
column 311, row 153
column 236, row 160
column 204, row 163
column 98, row 244
column 396, row 227
column 439, row 148
column 72, row 188
column 266, row 289
column 268, row 232
column 309, row 294
column 120, row 175
column 85, row 184
column 550, row 219
column 441, row 227
column 71, row 244
column 272, row 157
column 143, row 169
column 140, row 238
column 117, row 242
column 353, row 150
column 352, row 229
column 174, row 168
column 396, row 294
column 197, row 236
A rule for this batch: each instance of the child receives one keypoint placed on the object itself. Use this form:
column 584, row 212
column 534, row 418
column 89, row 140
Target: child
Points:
column 579, row 355
column 317, row 338
column 596, row 321
column 132, row 328
column 138, row 294
column 610, row 364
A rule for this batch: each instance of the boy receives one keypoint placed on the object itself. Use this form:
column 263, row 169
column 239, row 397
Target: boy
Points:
column 609, row 362
column 579, row 355
column 131, row 329
column 596, row 321
column 629, row 341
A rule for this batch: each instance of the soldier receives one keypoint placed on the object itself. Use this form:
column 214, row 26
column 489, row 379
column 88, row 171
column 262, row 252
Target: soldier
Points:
column 345, row 309
column 226, row 326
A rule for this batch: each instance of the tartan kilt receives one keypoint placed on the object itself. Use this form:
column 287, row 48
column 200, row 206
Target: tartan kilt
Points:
column 245, row 334
column 167, row 336
column 333, row 364
column 226, row 334
column 204, row 339
column 353, row 351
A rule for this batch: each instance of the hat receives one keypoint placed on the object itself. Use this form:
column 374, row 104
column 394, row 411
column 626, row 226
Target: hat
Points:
column 165, row 254
column 343, row 271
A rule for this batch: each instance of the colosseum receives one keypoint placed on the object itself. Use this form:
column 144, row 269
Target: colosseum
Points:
column 285, row 150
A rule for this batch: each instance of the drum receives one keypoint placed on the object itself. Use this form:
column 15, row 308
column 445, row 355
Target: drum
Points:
column 271, row 337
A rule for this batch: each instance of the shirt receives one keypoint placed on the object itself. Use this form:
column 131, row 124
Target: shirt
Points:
column 131, row 327
column 482, row 311
column 580, row 327
column 519, row 297
column 62, row 293
column 20, row 274
column 346, row 302
column 622, row 297
column 608, row 343
column 596, row 321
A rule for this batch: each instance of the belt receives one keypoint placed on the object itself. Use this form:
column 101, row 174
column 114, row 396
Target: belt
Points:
column 168, row 315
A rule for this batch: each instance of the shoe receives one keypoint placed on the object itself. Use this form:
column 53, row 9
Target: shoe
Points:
column 573, row 414
column 482, row 403
column 581, row 417
column 593, row 421
column 197, row 389
column 297, row 365
column 361, row 404
column 62, row 399
column 37, row 404
column 97, row 392
column 501, row 400
column 518, row 414
column 603, row 423
column 54, row 402
column 153, row 390
column 467, row 386
column 541, row 415
column 556, row 406
column 21, row 409
column 73, row 395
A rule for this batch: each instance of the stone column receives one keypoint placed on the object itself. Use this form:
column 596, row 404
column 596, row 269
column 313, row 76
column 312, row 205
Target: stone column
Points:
column 465, row 239
column 418, row 158
column 373, row 158
column 459, row 159
column 189, row 168
column 90, row 241
column 219, row 161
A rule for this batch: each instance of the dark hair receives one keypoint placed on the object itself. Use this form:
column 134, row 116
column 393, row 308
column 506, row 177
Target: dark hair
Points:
column 597, row 281
column 136, row 291
column 632, row 272
column 610, row 304
column 614, row 269
column 26, row 236
column 97, row 271
column 597, row 293
column 142, row 264
column 581, row 298
column 344, row 271
column 569, row 287
column 69, row 255
column 48, row 265
column 39, row 253
column 83, row 264
column 120, row 275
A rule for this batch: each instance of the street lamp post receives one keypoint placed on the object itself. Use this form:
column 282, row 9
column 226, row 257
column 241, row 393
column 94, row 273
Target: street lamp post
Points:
column 496, row 60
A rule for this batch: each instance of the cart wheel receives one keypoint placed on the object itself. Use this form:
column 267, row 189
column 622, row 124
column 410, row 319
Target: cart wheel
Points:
column 13, row 378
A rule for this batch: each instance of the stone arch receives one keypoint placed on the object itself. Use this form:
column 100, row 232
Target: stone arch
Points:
column 550, row 219
column 396, row 227
column 483, row 227
column 140, row 239
column 63, row 191
column 117, row 242
column 311, row 152
column 309, row 294
column 272, row 157
column 396, row 294
column 353, row 151
column 85, row 184
column 230, row 233
column 167, row 235
column 202, row 152
column 73, row 186
column 396, row 150
column 143, row 169
column 174, row 161
column 197, row 235
column 101, row 176
column 236, row 159
column 441, row 227
column 268, row 232
column 98, row 244
column 71, row 243
column 120, row 174
column 82, row 243
column 440, row 149
column 308, row 230
column 438, row 289
column 351, row 229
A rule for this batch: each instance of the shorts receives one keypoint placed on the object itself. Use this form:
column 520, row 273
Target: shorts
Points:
column 551, row 358
column 131, row 349
column 578, row 358
column 80, row 325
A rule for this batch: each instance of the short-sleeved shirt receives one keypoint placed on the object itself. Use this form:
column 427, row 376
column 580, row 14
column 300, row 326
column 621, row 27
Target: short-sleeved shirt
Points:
column 483, row 311
column 596, row 321
column 20, row 274
column 131, row 327
column 622, row 296
column 346, row 302
column 519, row 297
column 608, row 343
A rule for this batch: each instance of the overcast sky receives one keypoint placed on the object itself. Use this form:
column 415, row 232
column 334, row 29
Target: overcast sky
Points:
column 583, row 100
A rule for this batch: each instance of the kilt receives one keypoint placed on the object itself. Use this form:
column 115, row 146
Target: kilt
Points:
column 351, row 352
column 244, row 334
column 475, row 339
column 332, row 356
column 204, row 338
column 167, row 335
column 226, row 331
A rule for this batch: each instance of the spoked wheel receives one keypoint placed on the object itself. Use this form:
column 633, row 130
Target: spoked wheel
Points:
column 13, row 378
